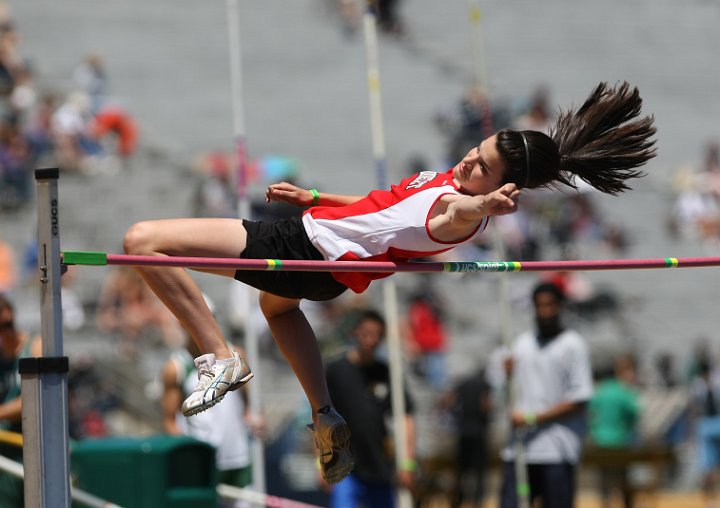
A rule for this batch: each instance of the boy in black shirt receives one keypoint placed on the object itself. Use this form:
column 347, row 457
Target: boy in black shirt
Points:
column 359, row 385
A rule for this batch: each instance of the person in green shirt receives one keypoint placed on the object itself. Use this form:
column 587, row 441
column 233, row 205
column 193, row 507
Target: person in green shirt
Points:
column 614, row 414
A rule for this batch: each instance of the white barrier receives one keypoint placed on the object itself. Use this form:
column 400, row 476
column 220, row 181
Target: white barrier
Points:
column 82, row 497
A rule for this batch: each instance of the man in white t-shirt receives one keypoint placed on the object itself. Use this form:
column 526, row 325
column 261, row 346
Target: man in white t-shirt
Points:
column 552, row 380
column 225, row 426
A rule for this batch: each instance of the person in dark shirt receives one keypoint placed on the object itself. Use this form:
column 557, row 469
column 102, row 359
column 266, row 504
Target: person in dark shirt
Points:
column 359, row 385
column 705, row 391
column 470, row 404
column 14, row 344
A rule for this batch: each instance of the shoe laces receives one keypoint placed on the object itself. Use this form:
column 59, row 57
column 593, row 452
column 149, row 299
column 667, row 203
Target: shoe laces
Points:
column 205, row 365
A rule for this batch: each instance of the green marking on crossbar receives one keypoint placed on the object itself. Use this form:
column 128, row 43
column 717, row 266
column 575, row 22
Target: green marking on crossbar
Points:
column 85, row 258
column 481, row 266
column 273, row 264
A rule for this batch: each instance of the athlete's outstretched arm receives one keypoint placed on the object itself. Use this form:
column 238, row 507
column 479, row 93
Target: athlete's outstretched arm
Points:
column 473, row 208
column 298, row 196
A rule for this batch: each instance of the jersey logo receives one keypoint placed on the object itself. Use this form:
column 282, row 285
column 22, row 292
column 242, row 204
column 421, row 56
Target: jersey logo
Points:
column 422, row 178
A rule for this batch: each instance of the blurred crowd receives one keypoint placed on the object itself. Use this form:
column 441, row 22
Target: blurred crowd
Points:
column 78, row 130
column 695, row 213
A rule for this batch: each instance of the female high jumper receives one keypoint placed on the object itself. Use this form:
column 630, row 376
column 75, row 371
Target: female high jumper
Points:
column 603, row 143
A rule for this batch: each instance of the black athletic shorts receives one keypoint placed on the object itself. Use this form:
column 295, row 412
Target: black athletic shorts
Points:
column 286, row 239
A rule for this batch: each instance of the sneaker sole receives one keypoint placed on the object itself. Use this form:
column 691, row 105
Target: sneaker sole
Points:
column 207, row 405
column 340, row 437
column 203, row 407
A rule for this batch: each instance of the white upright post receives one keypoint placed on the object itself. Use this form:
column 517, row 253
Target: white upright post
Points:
column 243, row 206
column 397, row 391
column 481, row 76
column 44, row 380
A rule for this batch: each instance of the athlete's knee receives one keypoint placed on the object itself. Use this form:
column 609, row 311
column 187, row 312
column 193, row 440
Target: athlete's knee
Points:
column 139, row 238
column 272, row 305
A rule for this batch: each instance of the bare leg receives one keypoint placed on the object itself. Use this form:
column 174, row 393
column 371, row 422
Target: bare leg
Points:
column 297, row 341
column 174, row 286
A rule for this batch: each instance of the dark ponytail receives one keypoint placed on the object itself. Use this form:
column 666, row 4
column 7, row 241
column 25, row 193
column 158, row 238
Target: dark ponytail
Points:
column 600, row 143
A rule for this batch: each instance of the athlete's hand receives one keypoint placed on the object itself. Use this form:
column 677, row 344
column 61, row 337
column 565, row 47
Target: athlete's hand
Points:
column 503, row 200
column 288, row 193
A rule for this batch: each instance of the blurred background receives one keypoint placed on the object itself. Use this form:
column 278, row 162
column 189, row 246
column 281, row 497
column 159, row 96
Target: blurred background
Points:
column 132, row 100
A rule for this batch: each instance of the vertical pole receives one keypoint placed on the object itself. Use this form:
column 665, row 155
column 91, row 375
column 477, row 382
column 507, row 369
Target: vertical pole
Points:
column 377, row 129
column 481, row 76
column 397, row 391
column 243, row 206
column 44, row 380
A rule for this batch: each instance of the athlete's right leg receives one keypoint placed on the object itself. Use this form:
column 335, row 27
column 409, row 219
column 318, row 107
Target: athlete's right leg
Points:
column 174, row 286
column 220, row 369
column 297, row 341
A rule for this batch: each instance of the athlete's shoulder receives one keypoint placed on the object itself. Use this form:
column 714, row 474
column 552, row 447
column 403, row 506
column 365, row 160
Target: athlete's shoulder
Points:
column 426, row 179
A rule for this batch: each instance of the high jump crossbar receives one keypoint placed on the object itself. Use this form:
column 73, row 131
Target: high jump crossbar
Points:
column 102, row 259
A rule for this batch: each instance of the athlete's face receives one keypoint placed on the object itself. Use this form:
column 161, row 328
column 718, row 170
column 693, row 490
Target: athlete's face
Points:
column 481, row 170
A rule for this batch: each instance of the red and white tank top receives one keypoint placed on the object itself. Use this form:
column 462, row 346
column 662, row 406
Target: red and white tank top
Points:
column 386, row 225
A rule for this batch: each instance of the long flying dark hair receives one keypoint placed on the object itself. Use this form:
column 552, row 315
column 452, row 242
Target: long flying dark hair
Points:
column 602, row 143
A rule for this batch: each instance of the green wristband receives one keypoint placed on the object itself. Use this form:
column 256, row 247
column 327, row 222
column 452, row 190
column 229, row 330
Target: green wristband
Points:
column 409, row 465
column 315, row 197
column 530, row 419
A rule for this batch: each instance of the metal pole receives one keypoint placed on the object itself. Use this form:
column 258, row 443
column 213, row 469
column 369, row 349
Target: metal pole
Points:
column 397, row 391
column 44, row 380
column 243, row 206
column 481, row 75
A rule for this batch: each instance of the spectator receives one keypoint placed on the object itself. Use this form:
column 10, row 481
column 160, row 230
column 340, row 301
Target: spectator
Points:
column 214, row 195
column 11, row 62
column 388, row 19
column 91, row 396
column 472, row 119
column 38, row 128
column 705, row 390
column 614, row 414
column 696, row 211
column 470, row 403
column 23, row 97
column 91, row 78
column 349, row 14
column 538, row 117
column 16, row 162
column 711, row 169
column 666, row 372
column 70, row 127
column 550, row 369
column 8, row 269
column 225, row 426
column 14, row 344
column 115, row 120
column 581, row 297
column 702, row 354
column 426, row 337
column 359, row 384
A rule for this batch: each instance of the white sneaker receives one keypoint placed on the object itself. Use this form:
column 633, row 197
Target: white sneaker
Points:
column 215, row 379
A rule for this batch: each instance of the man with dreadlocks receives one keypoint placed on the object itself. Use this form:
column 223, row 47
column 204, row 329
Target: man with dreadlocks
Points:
column 602, row 143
